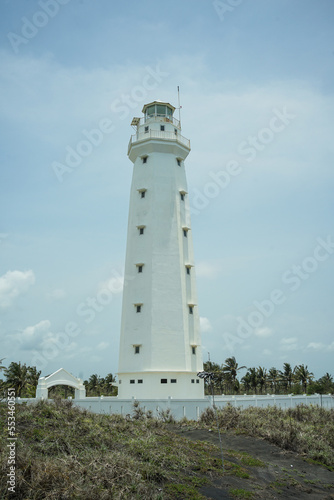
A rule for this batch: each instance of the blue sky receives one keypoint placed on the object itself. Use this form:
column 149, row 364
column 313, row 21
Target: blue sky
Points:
column 256, row 80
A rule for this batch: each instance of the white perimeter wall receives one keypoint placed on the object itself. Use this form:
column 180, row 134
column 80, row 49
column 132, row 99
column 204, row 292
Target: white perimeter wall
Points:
column 192, row 408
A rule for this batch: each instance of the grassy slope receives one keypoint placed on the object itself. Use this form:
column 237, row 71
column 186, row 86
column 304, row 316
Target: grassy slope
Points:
column 64, row 452
column 307, row 430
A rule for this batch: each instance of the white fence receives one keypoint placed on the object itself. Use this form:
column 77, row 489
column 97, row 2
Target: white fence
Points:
column 192, row 408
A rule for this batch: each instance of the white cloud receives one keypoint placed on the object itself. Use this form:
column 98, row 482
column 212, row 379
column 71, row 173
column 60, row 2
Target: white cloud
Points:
column 56, row 294
column 33, row 336
column 205, row 325
column 289, row 344
column 316, row 345
column 206, row 270
column 266, row 352
column 263, row 332
column 114, row 284
column 13, row 284
column 102, row 346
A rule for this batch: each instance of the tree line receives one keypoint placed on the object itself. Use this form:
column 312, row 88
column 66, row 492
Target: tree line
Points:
column 256, row 380
column 260, row 380
column 24, row 380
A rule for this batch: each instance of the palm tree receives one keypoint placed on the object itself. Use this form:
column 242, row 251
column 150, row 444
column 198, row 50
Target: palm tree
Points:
column 262, row 377
column 231, row 369
column 303, row 376
column 326, row 383
column 246, row 380
column 287, row 376
column 2, row 384
column 17, row 377
column 274, row 378
column 108, row 381
column 94, row 384
column 211, row 367
column 32, row 380
column 250, row 379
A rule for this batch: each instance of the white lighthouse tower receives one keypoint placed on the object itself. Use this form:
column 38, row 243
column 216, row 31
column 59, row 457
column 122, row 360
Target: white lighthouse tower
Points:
column 160, row 346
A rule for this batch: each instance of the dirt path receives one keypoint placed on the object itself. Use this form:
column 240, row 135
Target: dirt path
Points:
column 284, row 476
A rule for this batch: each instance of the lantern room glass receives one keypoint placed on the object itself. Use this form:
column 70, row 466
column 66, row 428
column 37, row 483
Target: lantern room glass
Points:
column 159, row 110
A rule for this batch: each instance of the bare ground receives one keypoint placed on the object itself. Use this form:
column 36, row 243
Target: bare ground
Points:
column 284, row 474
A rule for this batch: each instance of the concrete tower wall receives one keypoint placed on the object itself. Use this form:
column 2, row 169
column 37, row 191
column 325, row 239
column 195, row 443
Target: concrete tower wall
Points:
column 160, row 339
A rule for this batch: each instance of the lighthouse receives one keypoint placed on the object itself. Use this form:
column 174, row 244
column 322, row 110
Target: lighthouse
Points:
column 160, row 345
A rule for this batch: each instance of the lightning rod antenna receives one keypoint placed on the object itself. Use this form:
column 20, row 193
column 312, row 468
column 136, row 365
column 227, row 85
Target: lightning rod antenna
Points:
column 178, row 100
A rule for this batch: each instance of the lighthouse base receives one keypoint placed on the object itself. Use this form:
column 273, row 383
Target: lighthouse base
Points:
column 160, row 385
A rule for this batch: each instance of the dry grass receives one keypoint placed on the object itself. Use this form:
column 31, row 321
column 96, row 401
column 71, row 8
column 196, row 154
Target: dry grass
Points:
column 64, row 452
column 308, row 430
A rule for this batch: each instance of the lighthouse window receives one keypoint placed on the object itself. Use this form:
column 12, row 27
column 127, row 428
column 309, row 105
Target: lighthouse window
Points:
column 140, row 269
column 178, row 162
column 162, row 127
column 191, row 309
column 163, row 381
column 146, row 130
column 182, row 196
column 193, row 349
column 142, row 194
column 141, row 230
column 144, row 159
column 185, row 231
column 192, row 380
column 137, row 349
column 188, row 269
column 197, row 381
column 150, row 111
column 173, row 380
column 140, row 381
column 132, row 381
column 138, row 309
column 161, row 110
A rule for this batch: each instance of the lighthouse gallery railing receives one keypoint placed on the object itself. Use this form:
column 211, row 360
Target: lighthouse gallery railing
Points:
column 158, row 134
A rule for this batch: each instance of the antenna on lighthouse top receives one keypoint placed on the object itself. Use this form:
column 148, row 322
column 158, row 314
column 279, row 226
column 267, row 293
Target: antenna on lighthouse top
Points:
column 178, row 100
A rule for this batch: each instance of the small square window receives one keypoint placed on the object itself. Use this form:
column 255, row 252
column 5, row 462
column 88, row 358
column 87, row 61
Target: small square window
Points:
column 137, row 349
column 146, row 130
column 144, row 159
column 140, row 381
column 162, row 127
column 142, row 194
column 193, row 349
column 141, row 230
column 192, row 380
column 140, row 269
column 163, row 381
column 197, row 381
column 191, row 310
column 173, row 380
column 132, row 381
column 138, row 309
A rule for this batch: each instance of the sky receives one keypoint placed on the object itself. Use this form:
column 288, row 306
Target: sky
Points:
column 256, row 88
